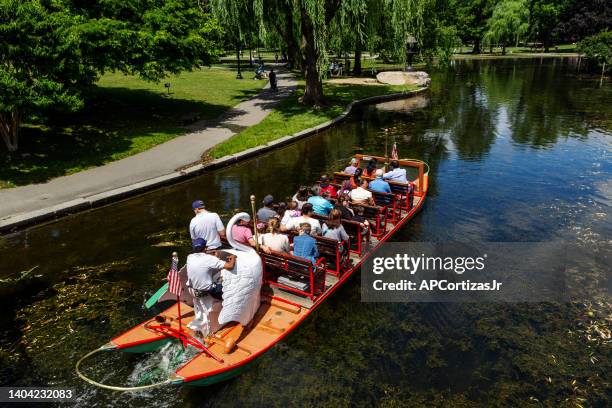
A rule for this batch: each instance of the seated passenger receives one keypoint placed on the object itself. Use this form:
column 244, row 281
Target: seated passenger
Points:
column 266, row 212
column 361, row 195
column 356, row 179
column 291, row 212
column 301, row 197
column 242, row 233
column 354, row 166
column 349, row 214
column 304, row 245
column 294, row 223
column 379, row 184
column 333, row 227
column 202, row 269
column 328, row 188
column 370, row 169
column 273, row 239
column 396, row 174
column 320, row 205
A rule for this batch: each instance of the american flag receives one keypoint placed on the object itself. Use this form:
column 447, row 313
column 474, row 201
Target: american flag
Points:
column 174, row 280
column 394, row 152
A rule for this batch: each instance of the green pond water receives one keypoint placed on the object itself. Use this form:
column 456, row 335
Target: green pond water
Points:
column 519, row 151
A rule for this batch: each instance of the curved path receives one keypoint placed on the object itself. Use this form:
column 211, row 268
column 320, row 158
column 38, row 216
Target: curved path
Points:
column 79, row 190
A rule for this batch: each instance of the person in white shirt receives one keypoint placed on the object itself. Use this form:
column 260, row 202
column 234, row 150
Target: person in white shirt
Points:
column 294, row 223
column 396, row 174
column 202, row 277
column 273, row 240
column 206, row 225
column 361, row 195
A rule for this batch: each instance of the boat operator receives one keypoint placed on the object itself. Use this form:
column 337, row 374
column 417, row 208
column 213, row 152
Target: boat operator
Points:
column 203, row 275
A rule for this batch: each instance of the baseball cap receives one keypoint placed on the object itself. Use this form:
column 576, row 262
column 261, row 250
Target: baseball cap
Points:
column 197, row 204
column 269, row 199
column 379, row 173
column 198, row 244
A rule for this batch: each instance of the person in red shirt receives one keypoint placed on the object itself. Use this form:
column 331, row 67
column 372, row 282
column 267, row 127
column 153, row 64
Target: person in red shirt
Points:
column 327, row 188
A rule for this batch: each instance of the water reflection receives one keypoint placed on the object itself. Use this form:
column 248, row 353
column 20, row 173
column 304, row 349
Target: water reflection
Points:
column 519, row 151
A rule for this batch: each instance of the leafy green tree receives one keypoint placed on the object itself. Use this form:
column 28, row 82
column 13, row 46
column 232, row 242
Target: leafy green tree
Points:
column 509, row 22
column 50, row 50
column 598, row 49
column 237, row 18
column 545, row 16
column 471, row 20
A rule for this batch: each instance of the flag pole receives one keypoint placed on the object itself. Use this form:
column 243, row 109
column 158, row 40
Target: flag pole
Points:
column 178, row 295
column 255, row 222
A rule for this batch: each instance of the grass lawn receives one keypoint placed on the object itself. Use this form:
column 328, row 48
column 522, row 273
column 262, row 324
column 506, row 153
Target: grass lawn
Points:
column 290, row 116
column 123, row 116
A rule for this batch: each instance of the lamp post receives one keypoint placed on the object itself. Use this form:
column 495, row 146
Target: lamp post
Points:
column 410, row 41
column 239, row 74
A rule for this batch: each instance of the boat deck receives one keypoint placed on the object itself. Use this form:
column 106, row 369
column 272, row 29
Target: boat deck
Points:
column 330, row 280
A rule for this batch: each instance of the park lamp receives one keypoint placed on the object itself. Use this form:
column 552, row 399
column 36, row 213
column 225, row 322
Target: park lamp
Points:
column 410, row 42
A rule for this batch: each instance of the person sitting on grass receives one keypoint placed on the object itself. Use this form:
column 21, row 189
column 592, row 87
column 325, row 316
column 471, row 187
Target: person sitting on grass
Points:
column 361, row 195
column 320, row 205
column 273, row 240
column 305, row 246
column 294, row 223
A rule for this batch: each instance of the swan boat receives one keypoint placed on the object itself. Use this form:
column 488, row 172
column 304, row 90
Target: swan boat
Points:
column 292, row 289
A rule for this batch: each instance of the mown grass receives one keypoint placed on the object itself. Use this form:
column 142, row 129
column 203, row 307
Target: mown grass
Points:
column 124, row 115
column 290, row 116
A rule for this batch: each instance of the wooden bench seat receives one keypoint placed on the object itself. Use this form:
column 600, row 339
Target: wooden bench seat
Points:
column 353, row 230
column 278, row 264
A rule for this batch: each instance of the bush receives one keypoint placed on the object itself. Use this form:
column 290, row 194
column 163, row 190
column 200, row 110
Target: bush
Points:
column 597, row 49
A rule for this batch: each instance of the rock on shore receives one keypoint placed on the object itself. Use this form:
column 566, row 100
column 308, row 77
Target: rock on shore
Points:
column 419, row 78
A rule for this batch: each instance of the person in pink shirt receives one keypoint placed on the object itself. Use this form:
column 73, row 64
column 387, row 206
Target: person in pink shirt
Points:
column 242, row 233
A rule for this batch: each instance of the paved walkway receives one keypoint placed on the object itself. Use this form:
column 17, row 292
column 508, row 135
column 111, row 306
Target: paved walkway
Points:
column 29, row 201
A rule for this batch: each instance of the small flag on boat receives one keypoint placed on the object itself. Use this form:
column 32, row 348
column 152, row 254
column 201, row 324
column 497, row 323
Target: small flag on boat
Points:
column 394, row 152
column 174, row 280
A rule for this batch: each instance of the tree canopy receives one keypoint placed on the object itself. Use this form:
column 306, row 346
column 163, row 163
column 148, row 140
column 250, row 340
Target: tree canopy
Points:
column 52, row 49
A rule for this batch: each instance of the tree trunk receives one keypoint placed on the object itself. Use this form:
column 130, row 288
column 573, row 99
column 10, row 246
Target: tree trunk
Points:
column 292, row 56
column 357, row 65
column 476, row 49
column 504, row 48
column 9, row 129
column 313, row 94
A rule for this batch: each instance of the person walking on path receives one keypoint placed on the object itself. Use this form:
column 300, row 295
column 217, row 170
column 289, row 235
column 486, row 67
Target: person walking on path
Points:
column 272, row 76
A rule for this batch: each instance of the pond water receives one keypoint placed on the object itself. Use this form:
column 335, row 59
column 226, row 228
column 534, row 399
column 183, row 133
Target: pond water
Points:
column 519, row 151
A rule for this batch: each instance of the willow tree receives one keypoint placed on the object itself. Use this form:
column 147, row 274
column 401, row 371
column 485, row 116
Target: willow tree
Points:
column 237, row 18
